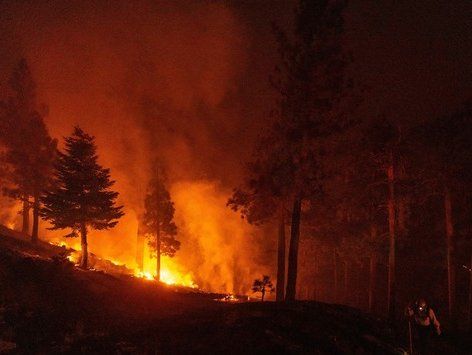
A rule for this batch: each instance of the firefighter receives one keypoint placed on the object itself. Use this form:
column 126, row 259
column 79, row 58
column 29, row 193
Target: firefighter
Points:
column 425, row 324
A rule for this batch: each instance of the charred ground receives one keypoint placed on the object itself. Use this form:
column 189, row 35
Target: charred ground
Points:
column 48, row 305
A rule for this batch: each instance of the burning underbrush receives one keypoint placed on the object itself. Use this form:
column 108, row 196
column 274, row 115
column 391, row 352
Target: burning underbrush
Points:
column 169, row 275
column 216, row 254
column 64, row 252
column 49, row 306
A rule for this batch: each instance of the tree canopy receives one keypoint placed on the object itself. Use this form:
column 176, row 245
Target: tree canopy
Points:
column 29, row 151
column 81, row 196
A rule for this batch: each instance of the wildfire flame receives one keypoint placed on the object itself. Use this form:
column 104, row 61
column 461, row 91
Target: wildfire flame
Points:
column 216, row 254
column 74, row 257
column 229, row 298
column 144, row 275
column 175, row 278
column 170, row 273
column 59, row 244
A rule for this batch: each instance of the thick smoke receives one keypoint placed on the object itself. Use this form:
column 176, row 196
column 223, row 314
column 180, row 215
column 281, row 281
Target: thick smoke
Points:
column 164, row 81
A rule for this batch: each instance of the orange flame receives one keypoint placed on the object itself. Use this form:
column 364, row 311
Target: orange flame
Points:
column 217, row 252
column 170, row 271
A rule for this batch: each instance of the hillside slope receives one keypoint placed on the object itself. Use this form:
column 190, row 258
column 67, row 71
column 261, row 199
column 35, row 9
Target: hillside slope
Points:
column 47, row 305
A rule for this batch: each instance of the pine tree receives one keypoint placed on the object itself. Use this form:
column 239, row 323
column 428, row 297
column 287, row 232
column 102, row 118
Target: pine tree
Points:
column 444, row 163
column 313, row 106
column 81, row 198
column 383, row 142
column 312, row 87
column 29, row 151
column 263, row 286
column 262, row 198
column 159, row 220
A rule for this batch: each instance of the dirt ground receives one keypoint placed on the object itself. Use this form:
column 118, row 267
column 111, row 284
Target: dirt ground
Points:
column 49, row 306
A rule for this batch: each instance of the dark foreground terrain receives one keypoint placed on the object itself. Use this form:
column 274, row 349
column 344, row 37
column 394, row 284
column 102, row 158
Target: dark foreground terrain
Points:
column 49, row 306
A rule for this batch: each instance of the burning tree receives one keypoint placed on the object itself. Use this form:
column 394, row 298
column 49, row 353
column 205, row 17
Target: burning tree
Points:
column 29, row 151
column 263, row 286
column 81, row 197
column 159, row 220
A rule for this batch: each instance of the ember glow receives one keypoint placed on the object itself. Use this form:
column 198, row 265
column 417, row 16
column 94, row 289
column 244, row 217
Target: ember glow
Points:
column 74, row 257
column 145, row 275
column 59, row 243
column 217, row 245
column 171, row 273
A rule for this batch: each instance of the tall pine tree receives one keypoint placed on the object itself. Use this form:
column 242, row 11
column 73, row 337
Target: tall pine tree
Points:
column 29, row 151
column 314, row 106
column 263, row 196
column 159, row 220
column 81, row 198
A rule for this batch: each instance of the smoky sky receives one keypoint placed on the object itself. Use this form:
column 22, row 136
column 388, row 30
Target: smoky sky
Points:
column 413, row 58
column 183, row 81
column 188, row 81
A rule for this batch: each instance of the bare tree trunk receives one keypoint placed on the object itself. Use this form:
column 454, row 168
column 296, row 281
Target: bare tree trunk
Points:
column 158, row 251
column 158, row 236
column 357, row 280
column 335, row 275
column 470, row 295
column 263, row 294
column 401, row 216
column 346, row 283
column 449, row 253
column 279, row 296
column 315, row 263
column 372, row 269
column 293, row 250
column 83, row 240
column 34, row 234
column 391, row 228
column 25, row 214
column 140, row 239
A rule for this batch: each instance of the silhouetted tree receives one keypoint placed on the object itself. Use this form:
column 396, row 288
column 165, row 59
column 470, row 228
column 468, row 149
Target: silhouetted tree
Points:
column 312, row 107
column 357, row 193
column 262, row 197
column 286, row 169
column 140, row 240
column 384, row 144
column 29, row 151
column 263, row 286
column 444, row 159
column 81, row 198
column 469, row 305
column 159, row 220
